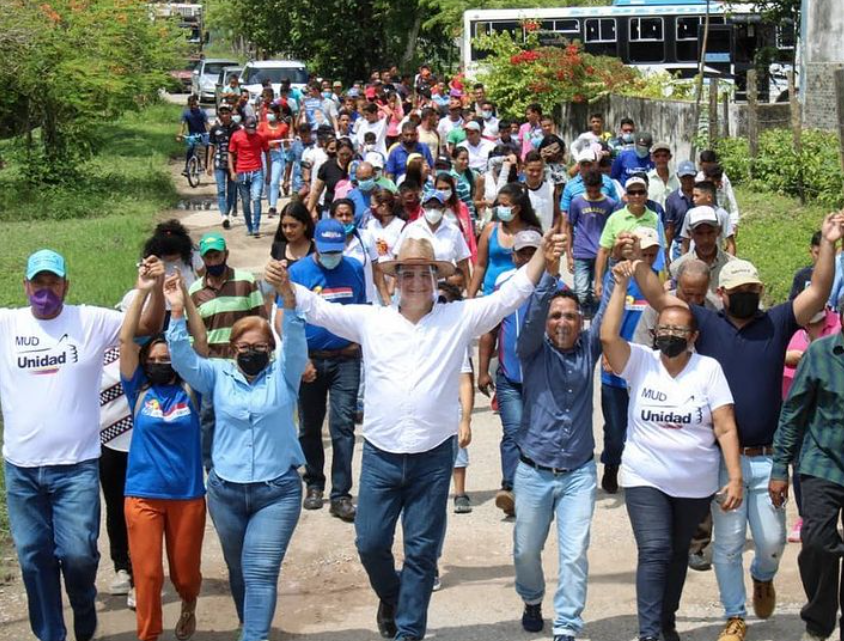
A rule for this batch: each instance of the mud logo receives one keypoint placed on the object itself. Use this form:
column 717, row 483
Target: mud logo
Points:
column 42, row 361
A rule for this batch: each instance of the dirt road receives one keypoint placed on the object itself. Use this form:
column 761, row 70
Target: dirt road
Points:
column 324, row 593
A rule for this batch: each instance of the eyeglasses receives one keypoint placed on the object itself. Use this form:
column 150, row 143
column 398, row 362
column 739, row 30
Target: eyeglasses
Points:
column 669, row 330
column 637, row 192
column 261, row 348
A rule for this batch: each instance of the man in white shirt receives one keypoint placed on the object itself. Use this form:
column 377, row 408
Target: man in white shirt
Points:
column 376, row 123
column 479, row 148
column 413, row 352
column 454, row 119
column 51, row 363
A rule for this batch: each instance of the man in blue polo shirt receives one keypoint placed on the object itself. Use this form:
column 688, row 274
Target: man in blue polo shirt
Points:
column 586, row 162
column 750, row 346
column 634, row 161
column 333, row 373
column 397, row 158
column 677, row 206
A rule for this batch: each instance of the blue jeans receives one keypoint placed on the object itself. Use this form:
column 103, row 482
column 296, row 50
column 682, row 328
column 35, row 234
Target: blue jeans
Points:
column 336, row 384
column 250, row 184
column 510, row 406
column 663, row 526
column 570, row 500
column 255, row 522
column 767, row 528
column 614, row 402
column 584, row 284
column 276, row 175
column 414, row 486
column 226, row 192
column 54, row 512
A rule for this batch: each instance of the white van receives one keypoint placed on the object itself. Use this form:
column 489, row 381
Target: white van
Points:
column 257, row 71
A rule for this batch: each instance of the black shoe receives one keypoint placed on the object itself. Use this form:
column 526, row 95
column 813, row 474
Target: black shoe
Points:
column 699, row 561
column 343, row 509
column 386, row 619
column 313, row 499
column 532, row 618
column 670, row 634
column 226, row 223
column 563, row 637
column 609, row 482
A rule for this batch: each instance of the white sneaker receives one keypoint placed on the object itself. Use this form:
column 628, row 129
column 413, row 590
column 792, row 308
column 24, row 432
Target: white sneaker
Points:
column 121, row 584
column 808, row 636
column 130, row 599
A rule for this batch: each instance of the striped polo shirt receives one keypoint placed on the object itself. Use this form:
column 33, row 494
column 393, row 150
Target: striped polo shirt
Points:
column 220, row 308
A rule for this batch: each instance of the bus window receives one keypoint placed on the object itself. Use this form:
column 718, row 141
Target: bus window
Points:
column 601, row 37
column 567, row 26
column 483, row 28
column 687, row 38
column 785, row 35
column 647, row 41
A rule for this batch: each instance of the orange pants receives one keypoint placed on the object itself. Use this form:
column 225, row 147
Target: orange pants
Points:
column 182, row 526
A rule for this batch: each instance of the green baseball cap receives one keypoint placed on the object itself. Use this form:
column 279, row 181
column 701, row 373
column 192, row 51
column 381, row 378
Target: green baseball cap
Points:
column 211, row 241
column 45, row 260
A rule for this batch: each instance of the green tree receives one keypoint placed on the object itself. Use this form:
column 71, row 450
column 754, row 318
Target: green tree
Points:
column 68, row 65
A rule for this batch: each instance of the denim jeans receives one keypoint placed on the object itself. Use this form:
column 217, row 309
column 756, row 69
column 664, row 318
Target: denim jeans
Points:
column 510, row 407
column 614, row 402
column 584, row 284
column 663, row 526
column 54, row 513
column 255, row 522
column 767, row 528
column 568, row 499
column 414, row 486
column 250, row 184
column 226, row 192
column 336, row 384
column 276, row 175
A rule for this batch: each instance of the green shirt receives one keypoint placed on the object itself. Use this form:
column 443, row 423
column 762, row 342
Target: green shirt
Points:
column 623, row 220
column 456, row 136
column 811, row 427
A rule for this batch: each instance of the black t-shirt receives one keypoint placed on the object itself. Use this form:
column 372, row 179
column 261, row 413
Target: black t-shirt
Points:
column 279, row 252
column 331, row 174
column 801, row 280
column 219, row 136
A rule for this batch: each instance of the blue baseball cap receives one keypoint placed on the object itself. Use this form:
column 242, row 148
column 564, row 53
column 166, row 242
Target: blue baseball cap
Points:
column 330, row 236
column 45, row 260
column 433, row 195
column 686, row 168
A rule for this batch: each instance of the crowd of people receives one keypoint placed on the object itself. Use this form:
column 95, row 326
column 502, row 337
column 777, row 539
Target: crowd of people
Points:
column 409, row 234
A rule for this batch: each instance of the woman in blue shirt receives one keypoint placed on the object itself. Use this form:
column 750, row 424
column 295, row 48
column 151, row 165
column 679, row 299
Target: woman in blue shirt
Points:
column 165, row 496
column 254, row 489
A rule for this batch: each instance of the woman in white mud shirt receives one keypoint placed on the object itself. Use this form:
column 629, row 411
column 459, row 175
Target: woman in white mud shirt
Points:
column 680, row 405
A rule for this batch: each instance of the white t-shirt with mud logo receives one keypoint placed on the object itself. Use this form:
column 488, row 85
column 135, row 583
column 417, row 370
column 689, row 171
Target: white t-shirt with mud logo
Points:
column 671, row 443
column 50, row 373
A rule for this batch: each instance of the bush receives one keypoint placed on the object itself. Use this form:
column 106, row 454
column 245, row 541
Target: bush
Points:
column 778, row 167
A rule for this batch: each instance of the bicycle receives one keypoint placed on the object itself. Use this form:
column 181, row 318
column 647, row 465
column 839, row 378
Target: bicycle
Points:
column 195, row 166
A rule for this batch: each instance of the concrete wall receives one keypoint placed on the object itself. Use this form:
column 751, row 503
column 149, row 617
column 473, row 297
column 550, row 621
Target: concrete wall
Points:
column 822, row 49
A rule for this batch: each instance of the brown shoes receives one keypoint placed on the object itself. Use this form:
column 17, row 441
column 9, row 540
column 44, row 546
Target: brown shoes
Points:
column 764, row 598
column 506, row 502
column 186, row 626
column 735, row 630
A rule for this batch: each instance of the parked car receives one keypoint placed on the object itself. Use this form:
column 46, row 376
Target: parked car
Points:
column 184, row 76
column 257, row 71
column 223, row 81
column 205, row 77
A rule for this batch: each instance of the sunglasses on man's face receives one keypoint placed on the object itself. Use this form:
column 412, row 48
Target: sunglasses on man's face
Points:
column 637, row 192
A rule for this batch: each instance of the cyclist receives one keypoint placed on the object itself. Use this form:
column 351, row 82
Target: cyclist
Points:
column 194, row 122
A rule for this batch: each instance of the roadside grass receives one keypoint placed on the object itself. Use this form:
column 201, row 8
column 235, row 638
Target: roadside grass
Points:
column 774, row 235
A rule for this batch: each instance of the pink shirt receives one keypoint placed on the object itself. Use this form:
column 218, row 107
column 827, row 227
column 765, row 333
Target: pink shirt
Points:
column 800, row 341
column 525, row 136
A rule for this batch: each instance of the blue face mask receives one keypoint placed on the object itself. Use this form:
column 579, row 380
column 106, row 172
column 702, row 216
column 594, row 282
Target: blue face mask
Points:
column 330, row 261
column 349, row 229
column 366, row 185
column 505, row 214
column 642, row 152
column 326, row 94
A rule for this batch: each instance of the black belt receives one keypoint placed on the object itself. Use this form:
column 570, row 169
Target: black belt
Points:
column 347, row 353
column 556, row 471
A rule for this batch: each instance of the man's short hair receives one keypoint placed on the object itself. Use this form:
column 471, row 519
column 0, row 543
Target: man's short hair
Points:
column 714, row 172
column 816, row 239
column 535, row 107
column 598, row 116
column 627, row 121
column 370, row 108
column 408, row 127
column 478, row 85
column 708, row 155
column 567, row 294
column 693, row 267
column 533, row 156
column 593, row 178
column 426, row 112
column 707, row 186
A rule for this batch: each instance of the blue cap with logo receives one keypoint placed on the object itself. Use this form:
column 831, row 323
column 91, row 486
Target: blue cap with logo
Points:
column 330, row 236
column 433, row 195
column 686, row 168
column 45, row 260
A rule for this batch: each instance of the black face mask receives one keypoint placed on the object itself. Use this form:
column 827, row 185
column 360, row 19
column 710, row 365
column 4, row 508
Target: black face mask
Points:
column 670, row 345
column 216, row 270
column 252, row 363
column 743, row 304
column 159, row 373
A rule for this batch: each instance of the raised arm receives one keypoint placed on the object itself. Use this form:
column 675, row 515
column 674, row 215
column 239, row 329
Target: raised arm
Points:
column 152, row 315
column 616, row 349
column 532, row 333
column 294, row 347
column 812, row 299
column 653, row 290
column 197, row 371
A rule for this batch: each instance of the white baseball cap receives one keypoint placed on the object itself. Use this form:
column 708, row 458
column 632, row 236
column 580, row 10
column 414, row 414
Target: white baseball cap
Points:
column 586, row 155
column 647, row 237
column 703, row 215
column 737, row 273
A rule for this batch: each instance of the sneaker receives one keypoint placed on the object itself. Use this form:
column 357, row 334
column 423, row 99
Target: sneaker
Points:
column 764, row 598
column 313, row 499
column 609, row 481
column 563, row 637
column 186, row 626
column 734, row 630
column 462, row 504
column 271, row 213
column 506, row 502
column 670, row 635
column 256, row 234
column 810, row 636
column 699, row 562
column 227, row 223
column 343, row 509
column 386, row 619
column 532, row 618
column 794, row 535
column 121, row 584
column 130, row 599
column 437, row 583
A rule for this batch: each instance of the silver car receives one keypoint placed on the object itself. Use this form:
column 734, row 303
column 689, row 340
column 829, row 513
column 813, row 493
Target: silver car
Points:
column 204, row 78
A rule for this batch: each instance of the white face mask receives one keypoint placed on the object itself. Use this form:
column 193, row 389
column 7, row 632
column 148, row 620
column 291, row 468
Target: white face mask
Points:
column 433, row 216
column 236, row 119
column 446, row 193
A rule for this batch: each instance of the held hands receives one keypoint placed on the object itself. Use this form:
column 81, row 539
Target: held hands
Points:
column 778, row 491
column 626, row 246
column 277, row 276
column 174, row 292
column 730, row 495
column 622, row 272
column 833, row 226
column 150, row 271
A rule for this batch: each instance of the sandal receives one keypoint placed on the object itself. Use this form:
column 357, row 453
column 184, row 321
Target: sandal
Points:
column 186, row 627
